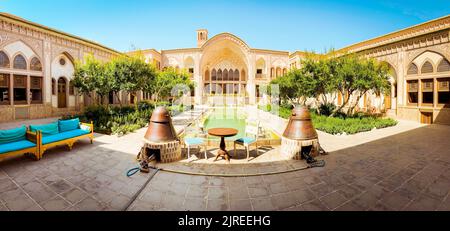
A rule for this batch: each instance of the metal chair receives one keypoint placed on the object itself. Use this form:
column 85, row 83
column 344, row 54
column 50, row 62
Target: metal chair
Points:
column 194, row 141
column 251, row 129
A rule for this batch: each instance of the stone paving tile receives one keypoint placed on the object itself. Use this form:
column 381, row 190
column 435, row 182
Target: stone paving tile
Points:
column 315, row 205
column 38, row 191
column 396, row 200
column 280, row 187
column 350, row 206
column 74, row 195
column 423, row 203
column 322, row 189
column 89, row 204
column 333, row 200
column 55, row 204
column 258, row 191
column 217, row 205
column 194, row 204
column 285, row 200
column 263, row 204
column 240, row 205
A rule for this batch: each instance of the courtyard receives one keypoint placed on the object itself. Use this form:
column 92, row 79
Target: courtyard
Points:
column 405, row 167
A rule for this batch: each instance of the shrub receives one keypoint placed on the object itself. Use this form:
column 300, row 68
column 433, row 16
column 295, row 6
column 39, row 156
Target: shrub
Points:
column 341, row 123
column 327, row 108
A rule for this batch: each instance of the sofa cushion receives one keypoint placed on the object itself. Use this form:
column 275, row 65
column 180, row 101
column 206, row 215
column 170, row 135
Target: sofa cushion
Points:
column 68, row 125
column 13, row 135
column 46, row 129
column 63, row 136
column 16, row 146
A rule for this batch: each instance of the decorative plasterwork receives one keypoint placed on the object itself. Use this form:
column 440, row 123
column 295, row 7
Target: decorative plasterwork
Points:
column 405, row 34
column 35, row 44
column 229, row 37
column 32, row 36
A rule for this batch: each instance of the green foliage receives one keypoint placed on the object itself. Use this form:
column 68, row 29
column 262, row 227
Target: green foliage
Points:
column 319, row 77
column 341, row 124
column 327, row 109
column 91, row 76
column 167, row 80
column 131, row 73
column 122, row 73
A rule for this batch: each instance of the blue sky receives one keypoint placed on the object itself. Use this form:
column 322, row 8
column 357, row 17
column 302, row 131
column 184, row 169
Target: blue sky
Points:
column 279, row 25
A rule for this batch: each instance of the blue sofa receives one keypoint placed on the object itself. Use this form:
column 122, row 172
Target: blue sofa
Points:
column 62, row 132
column 19, row 141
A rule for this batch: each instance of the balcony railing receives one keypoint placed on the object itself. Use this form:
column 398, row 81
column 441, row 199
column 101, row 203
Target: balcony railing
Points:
column 260, row 76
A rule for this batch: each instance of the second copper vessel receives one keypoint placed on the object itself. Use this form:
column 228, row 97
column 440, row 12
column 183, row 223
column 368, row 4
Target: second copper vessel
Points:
column 300, row 126
column 160, row 128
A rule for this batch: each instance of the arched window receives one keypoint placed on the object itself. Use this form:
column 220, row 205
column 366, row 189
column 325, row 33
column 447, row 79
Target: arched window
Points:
column 284, row 71
column 444, row 65
column 278, row 72
column 53, row 86
column 219, row 75
column 225, row 75
column 243, row 76
column 35, row 64
column 427, row 67
column 207, row 75
column 213, row 75
column 230, row 75
column 20, row 63
column 71, row 88
column 236, row 75
column 412, row 69
column 272, row 72
column 4, row 60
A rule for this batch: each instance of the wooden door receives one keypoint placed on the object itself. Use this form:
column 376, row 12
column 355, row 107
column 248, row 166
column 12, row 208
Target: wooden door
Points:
column 387, row 102
column 426, row 117
column 62, row 102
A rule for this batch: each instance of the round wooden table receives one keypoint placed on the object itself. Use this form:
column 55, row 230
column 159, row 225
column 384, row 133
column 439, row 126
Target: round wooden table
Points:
column 222, row 133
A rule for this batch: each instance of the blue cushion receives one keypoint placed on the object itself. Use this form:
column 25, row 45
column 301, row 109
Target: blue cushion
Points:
column 193, row 141
column 16, row 146
column 246, row 140
column 46, row 129
column 63, row 136
column 68, row 125
column 13, row 135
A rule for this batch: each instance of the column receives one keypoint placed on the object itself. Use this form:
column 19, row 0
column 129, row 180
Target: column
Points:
column 11, row 89
column 28, row 90
column 198, row 82
column 393, row 98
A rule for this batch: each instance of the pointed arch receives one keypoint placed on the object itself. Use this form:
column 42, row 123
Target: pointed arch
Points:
column 4, row 60
column 206, row 78
column 412, row 69
column 35, row 64
column 219, row 75
column 427, row 67
column 225, row 75
column 236, row 75
column 214, row 75
column 444, row 65
column 20, row 62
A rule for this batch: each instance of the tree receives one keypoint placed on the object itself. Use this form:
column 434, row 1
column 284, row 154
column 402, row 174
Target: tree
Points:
column 92, row 76
column 166, row 80
column 131, row 74
column 356, row 76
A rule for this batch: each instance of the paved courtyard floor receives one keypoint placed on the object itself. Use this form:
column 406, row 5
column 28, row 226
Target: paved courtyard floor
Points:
column 406, row 167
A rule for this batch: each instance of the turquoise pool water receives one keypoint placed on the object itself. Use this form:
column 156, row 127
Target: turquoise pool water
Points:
column 227, row 118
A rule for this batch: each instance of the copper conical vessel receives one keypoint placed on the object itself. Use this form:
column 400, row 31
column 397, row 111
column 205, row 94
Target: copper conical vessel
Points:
column 160, row 128
column 300, row 126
